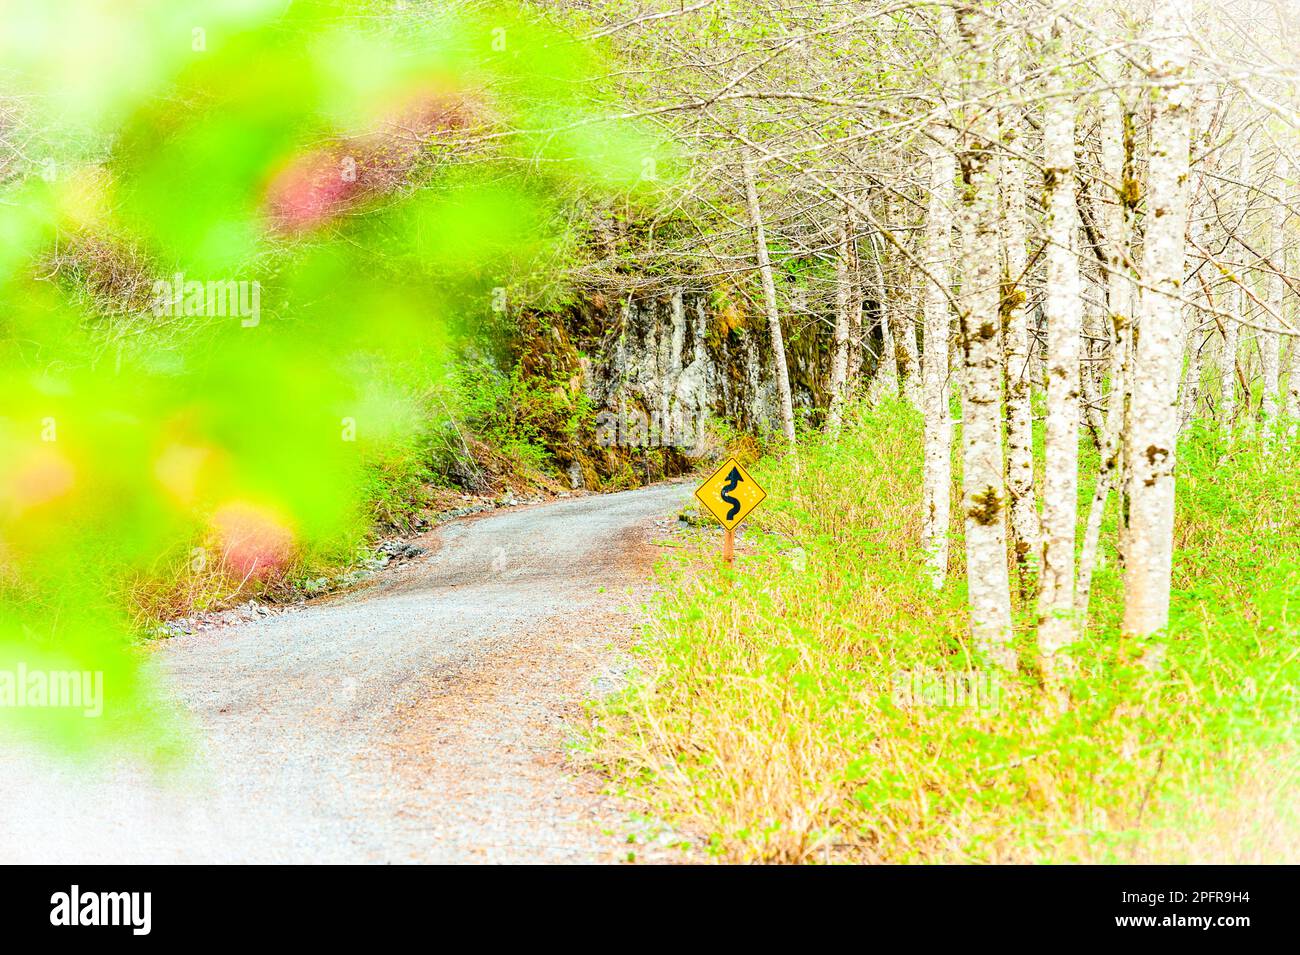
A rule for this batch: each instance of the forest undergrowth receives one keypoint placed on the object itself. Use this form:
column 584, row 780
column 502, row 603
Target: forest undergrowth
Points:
column 820, row 702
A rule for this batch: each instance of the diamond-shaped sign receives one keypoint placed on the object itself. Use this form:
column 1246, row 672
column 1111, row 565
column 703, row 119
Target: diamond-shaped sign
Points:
column 730, row 494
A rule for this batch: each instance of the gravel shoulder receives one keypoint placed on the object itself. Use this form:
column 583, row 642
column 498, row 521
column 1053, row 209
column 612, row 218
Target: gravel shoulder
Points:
column 418, row 718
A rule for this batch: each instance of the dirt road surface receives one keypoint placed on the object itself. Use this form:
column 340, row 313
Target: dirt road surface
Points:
column 421, row 718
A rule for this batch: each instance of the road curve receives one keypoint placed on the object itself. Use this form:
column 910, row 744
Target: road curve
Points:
column 417, row 719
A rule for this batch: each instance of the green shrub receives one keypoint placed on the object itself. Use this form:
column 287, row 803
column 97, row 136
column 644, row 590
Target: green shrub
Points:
column 521, row 415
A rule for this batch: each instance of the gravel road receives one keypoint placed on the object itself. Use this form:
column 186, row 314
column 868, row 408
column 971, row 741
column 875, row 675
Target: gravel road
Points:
column 417, row 719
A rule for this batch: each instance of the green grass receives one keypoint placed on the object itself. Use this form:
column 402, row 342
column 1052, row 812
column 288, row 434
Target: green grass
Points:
column 765, row 716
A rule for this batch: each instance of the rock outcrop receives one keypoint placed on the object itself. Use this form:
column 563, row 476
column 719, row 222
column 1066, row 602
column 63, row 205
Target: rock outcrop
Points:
column 659, row 372
column 668, row 364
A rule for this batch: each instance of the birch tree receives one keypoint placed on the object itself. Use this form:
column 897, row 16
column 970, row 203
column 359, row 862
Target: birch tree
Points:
column 1240, row 303
column 984, row 500
column 886, row 382
column 1064, row 312
column 843, row 303
column 857, row 294
column 937, row 468
column 1203, row 226
column 1270, row 340
column 782, row 373
column 1154, row 416
column 1020, row 440
column 1287, row 312
column 1117, row 228
column 905, row 357
column 1292, row 407
column 936, row 393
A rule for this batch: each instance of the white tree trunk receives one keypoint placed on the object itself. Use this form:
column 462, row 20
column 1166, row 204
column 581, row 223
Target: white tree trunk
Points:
column 1154, row 412
column 1292, row 408
column 1240, row 304
column 905, row 354
column 840, row 345
column 906, row 357
column 1063, row 308
column 1292, row 398
column 886, row 383
column 1228, row 358
column 1228, row 361
column 1025, row 528
column 1193, row 348
column 1270, row 341
column 1091, row 356
column 937, row 467
column 1202, row 215
column 769, row 301
column 856, row 285
column 984, row 500
column 1120, row 291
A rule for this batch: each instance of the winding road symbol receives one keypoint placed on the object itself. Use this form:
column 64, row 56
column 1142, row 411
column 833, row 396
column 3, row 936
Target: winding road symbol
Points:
column 730, row 494
column 733, row 479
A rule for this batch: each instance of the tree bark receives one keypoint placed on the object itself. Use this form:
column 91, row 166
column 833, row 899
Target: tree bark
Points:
column 1025, row 526
column 840, row 345
column 1240, row 304
column 1063, row 307
column 936, row 392
column 1194, row 350
column 1116, row 232
column 1202, row 209
column 1292, row 408
column 769, row 301
column 1091, row 356
column 1154, row 415
column 856, row 295
column 984, row 501
column 1270, row 341
column 886, row 383
column 906, row 356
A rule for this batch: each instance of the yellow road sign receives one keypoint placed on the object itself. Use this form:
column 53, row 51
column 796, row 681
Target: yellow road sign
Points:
column 730, row 494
